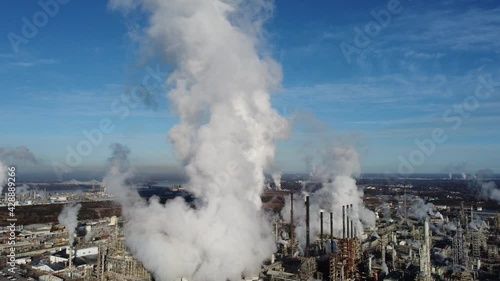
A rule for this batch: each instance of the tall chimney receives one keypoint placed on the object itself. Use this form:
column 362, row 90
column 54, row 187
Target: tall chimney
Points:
column 343, row 222
column 331, row 232
column 70, row 267
column 307, row 226
column 352, row 225
column 347, row 221
column 321, row 230
column 292, row 230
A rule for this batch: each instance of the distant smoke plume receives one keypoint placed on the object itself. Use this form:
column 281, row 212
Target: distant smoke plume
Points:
column 69, row 218
column 119, row 157
column 88, row 234
column 3, row 176
column 490, row 190
column 482, row 186
column 22, row 189
column 421, row 210
column 484, row 174
column 18, row 154
column 456, row 169
column 277, row 179
column 386, row 211
column 338, row 165
column 116, row 182
column 225, row 138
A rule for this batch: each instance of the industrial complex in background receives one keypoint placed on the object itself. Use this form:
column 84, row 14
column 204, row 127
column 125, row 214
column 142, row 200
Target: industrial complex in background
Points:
column 420, row 234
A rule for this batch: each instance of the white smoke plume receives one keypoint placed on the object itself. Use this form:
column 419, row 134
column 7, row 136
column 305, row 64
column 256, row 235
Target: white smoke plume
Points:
column 459, row 168
column 69, row 218
column 483, row 186
column 489, row 190
column 277, row 179
column 116, row 181
column 88, row 234
column 226, row 140
column 336, row 171
column 421, row 210
column 3, row 176
column 438, row 215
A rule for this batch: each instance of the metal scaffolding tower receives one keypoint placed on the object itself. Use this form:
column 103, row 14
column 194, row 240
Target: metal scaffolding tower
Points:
column 460, row 250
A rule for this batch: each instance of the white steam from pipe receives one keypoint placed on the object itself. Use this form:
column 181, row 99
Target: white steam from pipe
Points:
column 225, row 138
column 69, row 218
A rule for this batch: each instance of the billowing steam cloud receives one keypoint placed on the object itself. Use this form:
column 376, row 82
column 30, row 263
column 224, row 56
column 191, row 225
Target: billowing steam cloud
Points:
column 338, row 166
column 69, row 218
column 226, row 140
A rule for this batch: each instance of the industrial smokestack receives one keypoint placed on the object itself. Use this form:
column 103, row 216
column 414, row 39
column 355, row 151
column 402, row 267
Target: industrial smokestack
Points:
column 70, row 267
column 307, row 226
column 292, row 230
column 352, row 229
column 347, row 221
column 351, row 221
column 321, row 230
column 70, row 259
column 331, row 232
column 343, row 222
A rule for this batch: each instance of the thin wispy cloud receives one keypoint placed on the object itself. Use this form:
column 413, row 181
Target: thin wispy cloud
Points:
column 37, row 62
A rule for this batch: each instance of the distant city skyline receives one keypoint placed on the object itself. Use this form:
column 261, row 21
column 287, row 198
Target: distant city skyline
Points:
column 413, row 85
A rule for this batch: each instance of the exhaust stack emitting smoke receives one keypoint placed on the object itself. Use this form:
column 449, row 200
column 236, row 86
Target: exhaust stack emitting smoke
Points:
column 336, row 171
column 69, row 218
column 226, row 140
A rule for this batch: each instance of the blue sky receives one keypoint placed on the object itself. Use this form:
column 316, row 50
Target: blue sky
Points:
column 392, row 93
